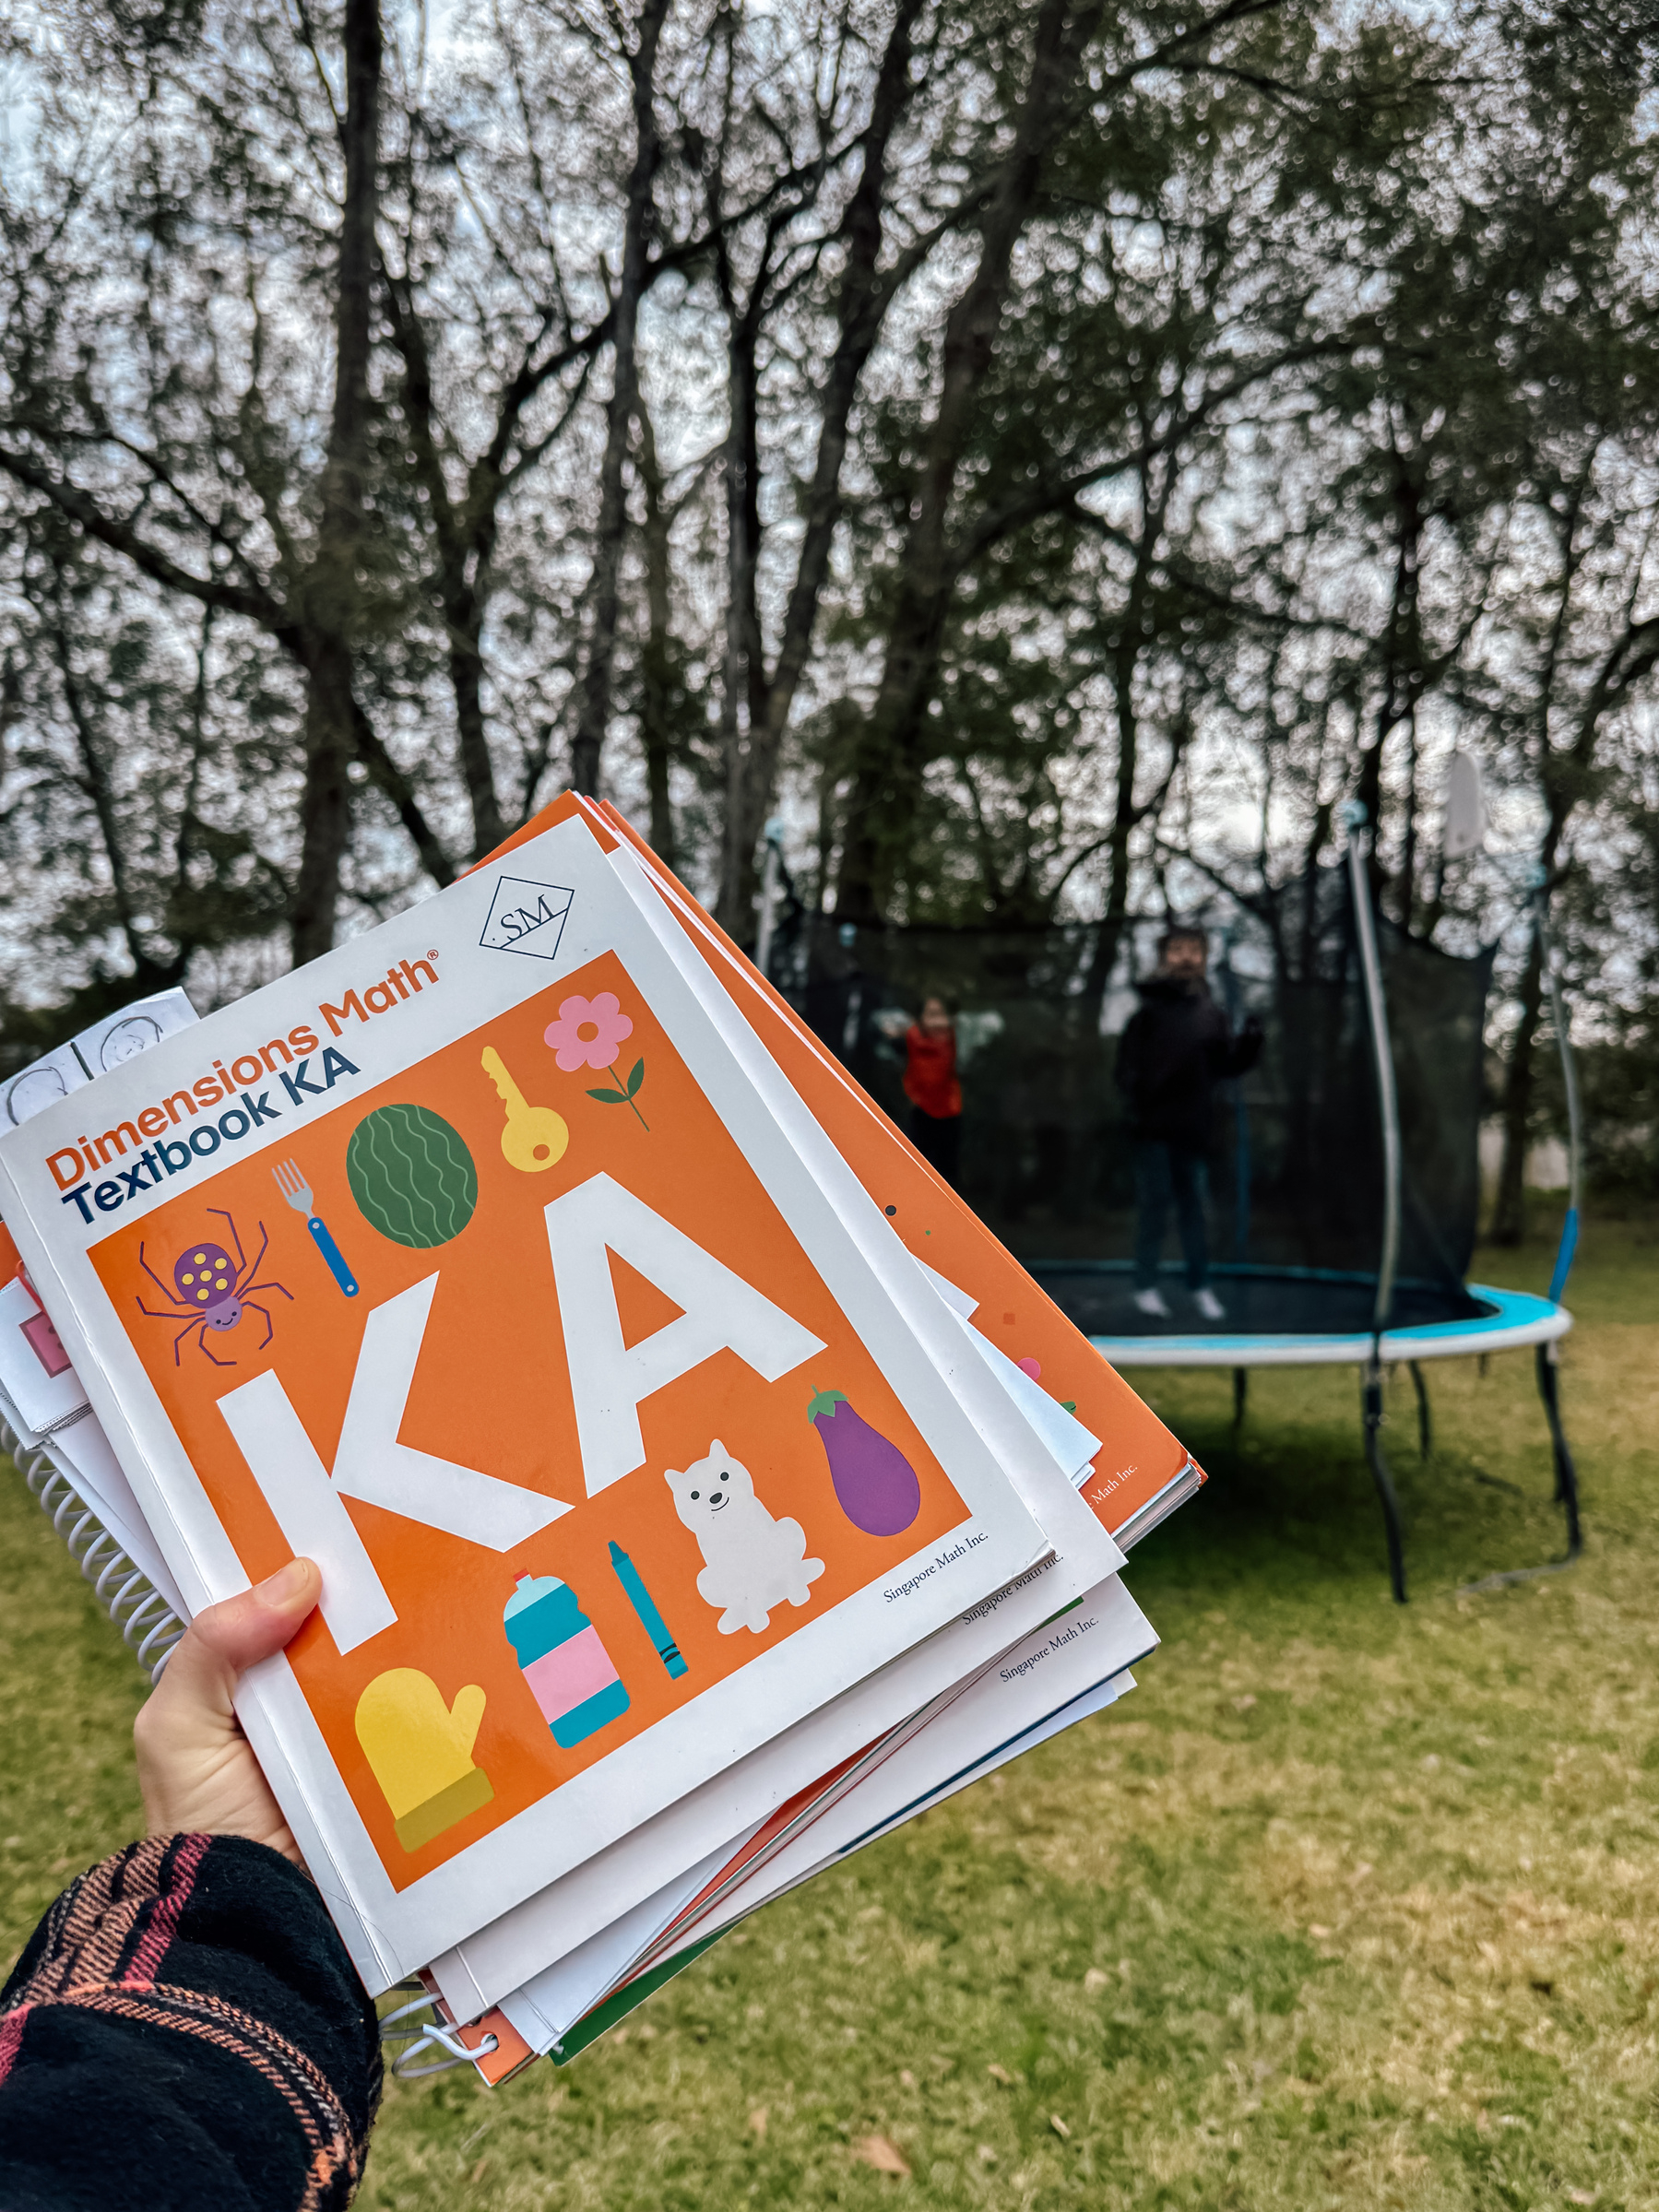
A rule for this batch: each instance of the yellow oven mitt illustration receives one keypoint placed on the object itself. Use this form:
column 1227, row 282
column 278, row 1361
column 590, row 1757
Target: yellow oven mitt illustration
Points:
column 421, row 1752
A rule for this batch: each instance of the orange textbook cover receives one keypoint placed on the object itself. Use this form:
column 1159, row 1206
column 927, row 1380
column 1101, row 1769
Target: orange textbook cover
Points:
column 474, row 1262
column 1139, row 1460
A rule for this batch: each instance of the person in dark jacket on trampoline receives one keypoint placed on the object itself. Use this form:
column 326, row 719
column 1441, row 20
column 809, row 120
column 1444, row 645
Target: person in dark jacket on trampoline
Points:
column 1176, row 1048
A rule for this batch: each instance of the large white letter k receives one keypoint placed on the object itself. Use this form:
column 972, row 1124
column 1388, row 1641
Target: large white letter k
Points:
column 373, row 1465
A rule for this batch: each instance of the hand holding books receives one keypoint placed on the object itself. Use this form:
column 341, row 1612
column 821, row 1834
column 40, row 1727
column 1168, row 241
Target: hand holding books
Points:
column 196, row 1770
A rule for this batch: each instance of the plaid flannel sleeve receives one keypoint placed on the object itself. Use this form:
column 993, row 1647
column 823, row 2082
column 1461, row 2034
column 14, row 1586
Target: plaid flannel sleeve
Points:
column 185, row 2028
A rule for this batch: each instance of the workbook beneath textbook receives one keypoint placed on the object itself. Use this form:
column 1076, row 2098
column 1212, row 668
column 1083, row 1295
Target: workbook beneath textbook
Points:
column 699, row 1487
column 1071, row 1668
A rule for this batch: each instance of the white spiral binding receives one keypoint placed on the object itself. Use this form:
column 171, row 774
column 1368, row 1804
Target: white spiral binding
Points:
column 401, row 2026
column 145, row 1618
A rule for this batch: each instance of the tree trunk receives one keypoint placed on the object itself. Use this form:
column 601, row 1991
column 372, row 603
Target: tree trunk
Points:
column 1405, row 895
column 656, row 673
column 463, row 617
column 891, row 755
column 148, row 974
column 465, row 543
column 866, row 292
column 593, row 714
column 1567, row 776
column 1401, row 664
column 1124, row 817
column 325, row 802
column 333, row 590
column 1125, row 667
column 742, row 702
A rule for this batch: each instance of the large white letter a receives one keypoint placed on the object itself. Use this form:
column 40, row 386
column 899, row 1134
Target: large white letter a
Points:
column 719, row 1311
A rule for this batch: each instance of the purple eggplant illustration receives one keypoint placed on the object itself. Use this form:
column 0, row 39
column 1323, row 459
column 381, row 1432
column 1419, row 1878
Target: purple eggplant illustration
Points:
column 875, row 1484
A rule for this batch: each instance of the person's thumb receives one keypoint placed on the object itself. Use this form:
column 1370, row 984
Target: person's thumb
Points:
column 241, row 1629
column 225, row 1638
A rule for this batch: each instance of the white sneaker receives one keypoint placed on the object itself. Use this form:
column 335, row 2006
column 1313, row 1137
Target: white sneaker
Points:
column 1151, row 1302
column 1209, row 1305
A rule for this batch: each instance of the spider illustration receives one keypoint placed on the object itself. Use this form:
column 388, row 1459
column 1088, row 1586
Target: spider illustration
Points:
column 210, row 1291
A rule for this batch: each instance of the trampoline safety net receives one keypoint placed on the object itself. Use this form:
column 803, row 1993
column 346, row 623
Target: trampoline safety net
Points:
column 1296, row 1164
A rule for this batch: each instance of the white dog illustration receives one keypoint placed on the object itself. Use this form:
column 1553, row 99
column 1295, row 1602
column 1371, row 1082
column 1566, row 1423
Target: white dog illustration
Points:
column 750, row 1562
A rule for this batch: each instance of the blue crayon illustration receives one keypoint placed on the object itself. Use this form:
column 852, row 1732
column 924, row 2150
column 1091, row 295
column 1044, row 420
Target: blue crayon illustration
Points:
column 644, row 1604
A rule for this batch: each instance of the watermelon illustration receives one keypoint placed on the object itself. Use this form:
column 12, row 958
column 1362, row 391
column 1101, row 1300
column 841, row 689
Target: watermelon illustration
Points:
column 875, row 1484
column 411, row 1176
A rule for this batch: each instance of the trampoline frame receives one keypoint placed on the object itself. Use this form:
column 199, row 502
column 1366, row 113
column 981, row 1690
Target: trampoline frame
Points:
column 1517, row 1319
column 1514, row 1320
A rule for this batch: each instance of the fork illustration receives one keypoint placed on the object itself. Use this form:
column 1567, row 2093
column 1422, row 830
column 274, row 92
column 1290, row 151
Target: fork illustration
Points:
column 297, row 1191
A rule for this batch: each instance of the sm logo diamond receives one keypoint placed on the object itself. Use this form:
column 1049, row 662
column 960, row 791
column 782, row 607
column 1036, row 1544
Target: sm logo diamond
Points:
column 526, row 917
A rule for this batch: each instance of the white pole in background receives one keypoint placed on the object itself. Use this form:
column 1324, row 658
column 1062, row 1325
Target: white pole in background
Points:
column 770, row 874
column 1370, row 969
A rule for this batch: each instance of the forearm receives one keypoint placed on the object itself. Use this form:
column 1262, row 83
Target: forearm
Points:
column 186, row 2025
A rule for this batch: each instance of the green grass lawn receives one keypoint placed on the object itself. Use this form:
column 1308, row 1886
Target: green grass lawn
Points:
column 1348, row 1905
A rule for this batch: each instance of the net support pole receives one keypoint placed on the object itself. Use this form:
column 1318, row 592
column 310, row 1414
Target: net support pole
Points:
column 770, row 871
column 1567, row 1477
column 1569, row 1083
column 1370, row 968
column 1375, row 1459
column 1425, row 1417
column 1548, row 1358
column 1382, row 1055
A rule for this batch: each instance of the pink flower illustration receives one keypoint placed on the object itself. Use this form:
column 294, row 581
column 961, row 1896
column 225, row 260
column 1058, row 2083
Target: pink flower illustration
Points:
column 589, row 1032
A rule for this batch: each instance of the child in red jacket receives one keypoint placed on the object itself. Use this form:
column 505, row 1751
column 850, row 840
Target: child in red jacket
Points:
column 932, row 1086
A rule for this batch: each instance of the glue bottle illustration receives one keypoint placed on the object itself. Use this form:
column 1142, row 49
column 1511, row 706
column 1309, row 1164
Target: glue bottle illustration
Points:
column 566, row 1665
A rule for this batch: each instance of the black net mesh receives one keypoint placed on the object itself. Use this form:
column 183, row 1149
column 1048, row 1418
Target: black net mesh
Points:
column 1295, row 1167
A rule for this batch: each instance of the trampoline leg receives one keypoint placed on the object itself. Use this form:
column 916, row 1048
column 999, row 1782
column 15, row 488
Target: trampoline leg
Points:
column 1372, row 1401
column 1425, row 1418
column 1240, row 1391
column 1567, row 1477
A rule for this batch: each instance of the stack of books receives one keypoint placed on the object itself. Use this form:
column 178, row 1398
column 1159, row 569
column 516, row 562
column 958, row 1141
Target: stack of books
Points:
column 700, row 1490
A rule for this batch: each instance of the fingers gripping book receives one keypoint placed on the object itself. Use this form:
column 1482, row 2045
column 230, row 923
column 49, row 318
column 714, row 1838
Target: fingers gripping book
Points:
column 476, row 1263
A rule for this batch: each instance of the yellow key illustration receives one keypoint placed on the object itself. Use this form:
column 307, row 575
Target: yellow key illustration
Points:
column 535, row 1136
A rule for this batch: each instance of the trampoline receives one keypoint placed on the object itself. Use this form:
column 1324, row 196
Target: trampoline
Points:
column 1344, row 1183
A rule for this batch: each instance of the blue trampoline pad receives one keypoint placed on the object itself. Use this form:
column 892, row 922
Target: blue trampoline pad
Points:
column 1291, row 1318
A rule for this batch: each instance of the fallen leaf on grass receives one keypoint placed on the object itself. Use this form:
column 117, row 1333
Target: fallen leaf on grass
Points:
column 757, row 2122
column 885, row 2157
